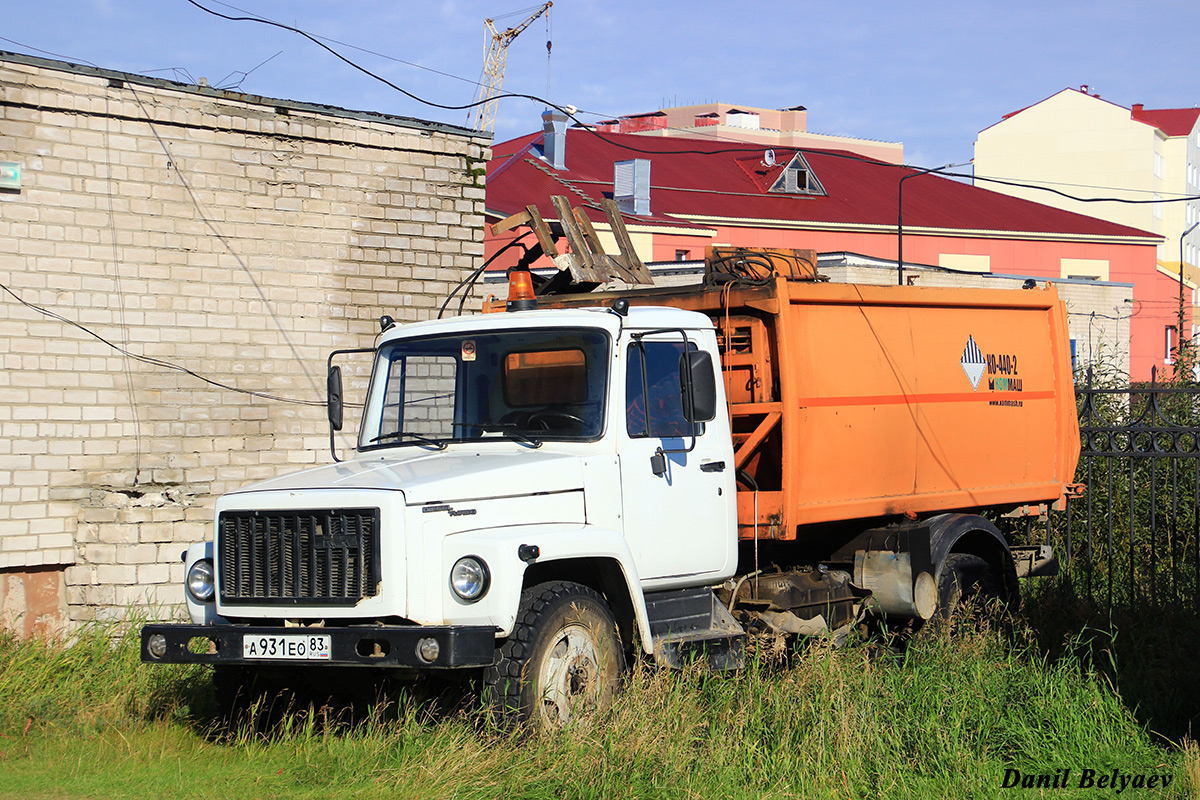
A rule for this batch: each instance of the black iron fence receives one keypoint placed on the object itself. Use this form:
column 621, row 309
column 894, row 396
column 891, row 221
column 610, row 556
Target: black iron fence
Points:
column 1133, row 539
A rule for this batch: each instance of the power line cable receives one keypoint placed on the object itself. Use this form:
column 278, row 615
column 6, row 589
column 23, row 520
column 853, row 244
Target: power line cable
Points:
column 317, row 41
column 361, row 49
column 126, row 363
column 157, row 362
column 572, row 114
column 1067, row 195
column 124, row 324
column 174, row 166
column 237, row 85
column 147, row 359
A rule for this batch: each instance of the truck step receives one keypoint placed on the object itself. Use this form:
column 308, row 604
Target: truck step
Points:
column 690, row 626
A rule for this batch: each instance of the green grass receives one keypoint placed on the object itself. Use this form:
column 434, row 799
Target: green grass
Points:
column 944, row 720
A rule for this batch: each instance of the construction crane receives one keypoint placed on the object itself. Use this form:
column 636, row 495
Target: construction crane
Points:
column 493, row 68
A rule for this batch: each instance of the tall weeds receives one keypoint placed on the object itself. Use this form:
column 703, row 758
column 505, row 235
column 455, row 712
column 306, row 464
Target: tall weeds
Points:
column 944, row 719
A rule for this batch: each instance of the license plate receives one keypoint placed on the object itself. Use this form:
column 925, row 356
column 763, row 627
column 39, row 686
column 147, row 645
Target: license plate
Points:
column 298, row 647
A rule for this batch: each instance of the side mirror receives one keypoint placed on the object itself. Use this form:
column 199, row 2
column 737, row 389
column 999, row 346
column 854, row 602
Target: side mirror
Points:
column 698, row 381
column 333, row 385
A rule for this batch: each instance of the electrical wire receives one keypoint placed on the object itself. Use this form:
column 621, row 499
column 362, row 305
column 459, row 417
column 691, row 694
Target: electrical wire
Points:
column 126, row 364
column 630, row 148
column 1060, row 193
column 317, row 41
column 362, row 49
column 157, row 362
column 147, row 359
column 745, row 147
column 470, row 281
column 174, row 165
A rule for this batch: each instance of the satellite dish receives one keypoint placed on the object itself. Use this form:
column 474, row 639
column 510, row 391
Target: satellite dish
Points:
column 769, row 158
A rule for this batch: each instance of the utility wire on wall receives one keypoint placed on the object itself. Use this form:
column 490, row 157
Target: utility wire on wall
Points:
column 124, row 350
column 174, row 166
column 157, row 362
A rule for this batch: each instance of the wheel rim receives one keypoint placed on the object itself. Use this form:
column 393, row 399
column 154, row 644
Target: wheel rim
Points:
column 569, row 680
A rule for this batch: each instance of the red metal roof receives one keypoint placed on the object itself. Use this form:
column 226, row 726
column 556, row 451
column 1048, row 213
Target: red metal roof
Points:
column 713, row 179
column 1171, row 121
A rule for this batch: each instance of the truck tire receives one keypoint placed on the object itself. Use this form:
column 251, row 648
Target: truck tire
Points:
column 562, row 663
column 964, row 579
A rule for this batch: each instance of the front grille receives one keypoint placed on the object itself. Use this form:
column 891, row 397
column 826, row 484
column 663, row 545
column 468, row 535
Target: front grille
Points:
column 324, row 556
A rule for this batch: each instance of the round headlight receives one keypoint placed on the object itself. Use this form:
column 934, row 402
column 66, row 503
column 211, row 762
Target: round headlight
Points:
column 469, row 578
column 200, row 580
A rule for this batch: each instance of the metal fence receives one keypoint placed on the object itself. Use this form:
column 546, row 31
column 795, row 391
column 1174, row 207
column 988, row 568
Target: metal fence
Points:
column 1133, row 539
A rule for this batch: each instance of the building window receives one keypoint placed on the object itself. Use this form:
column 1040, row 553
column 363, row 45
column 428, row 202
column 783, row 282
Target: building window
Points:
column 1169, row 345
column 797, row 178
column 1158, row 165
column 1158, row 206
column 1091, row 269
column 681, row 255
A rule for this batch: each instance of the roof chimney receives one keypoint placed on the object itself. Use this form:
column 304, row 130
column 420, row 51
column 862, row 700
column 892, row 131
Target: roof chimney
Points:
column 554, row 138
column 631, row 186
column 1138, row 107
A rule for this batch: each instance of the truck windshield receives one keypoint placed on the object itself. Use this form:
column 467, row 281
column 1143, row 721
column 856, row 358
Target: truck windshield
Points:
column 528, row 385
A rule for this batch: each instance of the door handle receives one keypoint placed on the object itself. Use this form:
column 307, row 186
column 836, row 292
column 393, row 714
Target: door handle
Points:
column 713, row 466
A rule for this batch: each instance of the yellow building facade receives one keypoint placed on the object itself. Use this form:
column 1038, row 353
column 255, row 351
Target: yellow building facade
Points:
column 1079, row 144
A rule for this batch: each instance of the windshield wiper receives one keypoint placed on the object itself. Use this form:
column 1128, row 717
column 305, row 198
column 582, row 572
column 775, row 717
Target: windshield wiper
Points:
column 440, row 445
column 508, row 429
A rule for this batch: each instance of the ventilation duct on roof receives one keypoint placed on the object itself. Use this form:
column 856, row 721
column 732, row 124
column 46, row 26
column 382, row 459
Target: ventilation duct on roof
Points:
column 631, row 186
column 554, row 138
column 742, row 119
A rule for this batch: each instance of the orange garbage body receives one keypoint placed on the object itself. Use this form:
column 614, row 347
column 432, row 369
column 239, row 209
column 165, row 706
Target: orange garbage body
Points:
column 903, row 400
column 853, row 402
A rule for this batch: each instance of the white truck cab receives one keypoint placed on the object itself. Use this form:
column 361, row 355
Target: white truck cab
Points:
column 534, row 493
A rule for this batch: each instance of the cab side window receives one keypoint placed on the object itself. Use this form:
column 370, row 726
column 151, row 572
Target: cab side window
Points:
column 653, row 395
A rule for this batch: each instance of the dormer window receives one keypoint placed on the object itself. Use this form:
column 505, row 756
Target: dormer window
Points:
column 797, row 178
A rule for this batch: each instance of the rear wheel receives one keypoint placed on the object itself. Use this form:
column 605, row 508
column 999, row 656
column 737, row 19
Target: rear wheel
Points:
column 965, row 584
column 562, row 663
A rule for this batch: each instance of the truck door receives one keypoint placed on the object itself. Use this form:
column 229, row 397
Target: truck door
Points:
column 680, row 521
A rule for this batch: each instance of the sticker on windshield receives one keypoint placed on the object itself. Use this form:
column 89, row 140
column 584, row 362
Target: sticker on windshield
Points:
column 468, row 350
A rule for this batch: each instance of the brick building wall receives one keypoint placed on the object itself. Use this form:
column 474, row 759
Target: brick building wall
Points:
column 178, row 262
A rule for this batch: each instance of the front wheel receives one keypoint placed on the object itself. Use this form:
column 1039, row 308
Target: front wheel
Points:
column 562, row 663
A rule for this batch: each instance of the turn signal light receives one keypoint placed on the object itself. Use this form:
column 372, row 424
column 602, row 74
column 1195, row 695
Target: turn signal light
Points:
column 520, row 291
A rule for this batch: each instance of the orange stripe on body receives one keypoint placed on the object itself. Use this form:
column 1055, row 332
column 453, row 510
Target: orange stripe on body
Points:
column 922, row 399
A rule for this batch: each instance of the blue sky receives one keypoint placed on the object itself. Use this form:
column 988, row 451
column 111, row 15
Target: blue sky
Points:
column 928, row 74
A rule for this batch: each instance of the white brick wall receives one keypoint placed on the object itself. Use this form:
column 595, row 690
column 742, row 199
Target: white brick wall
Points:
column 212, row 232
